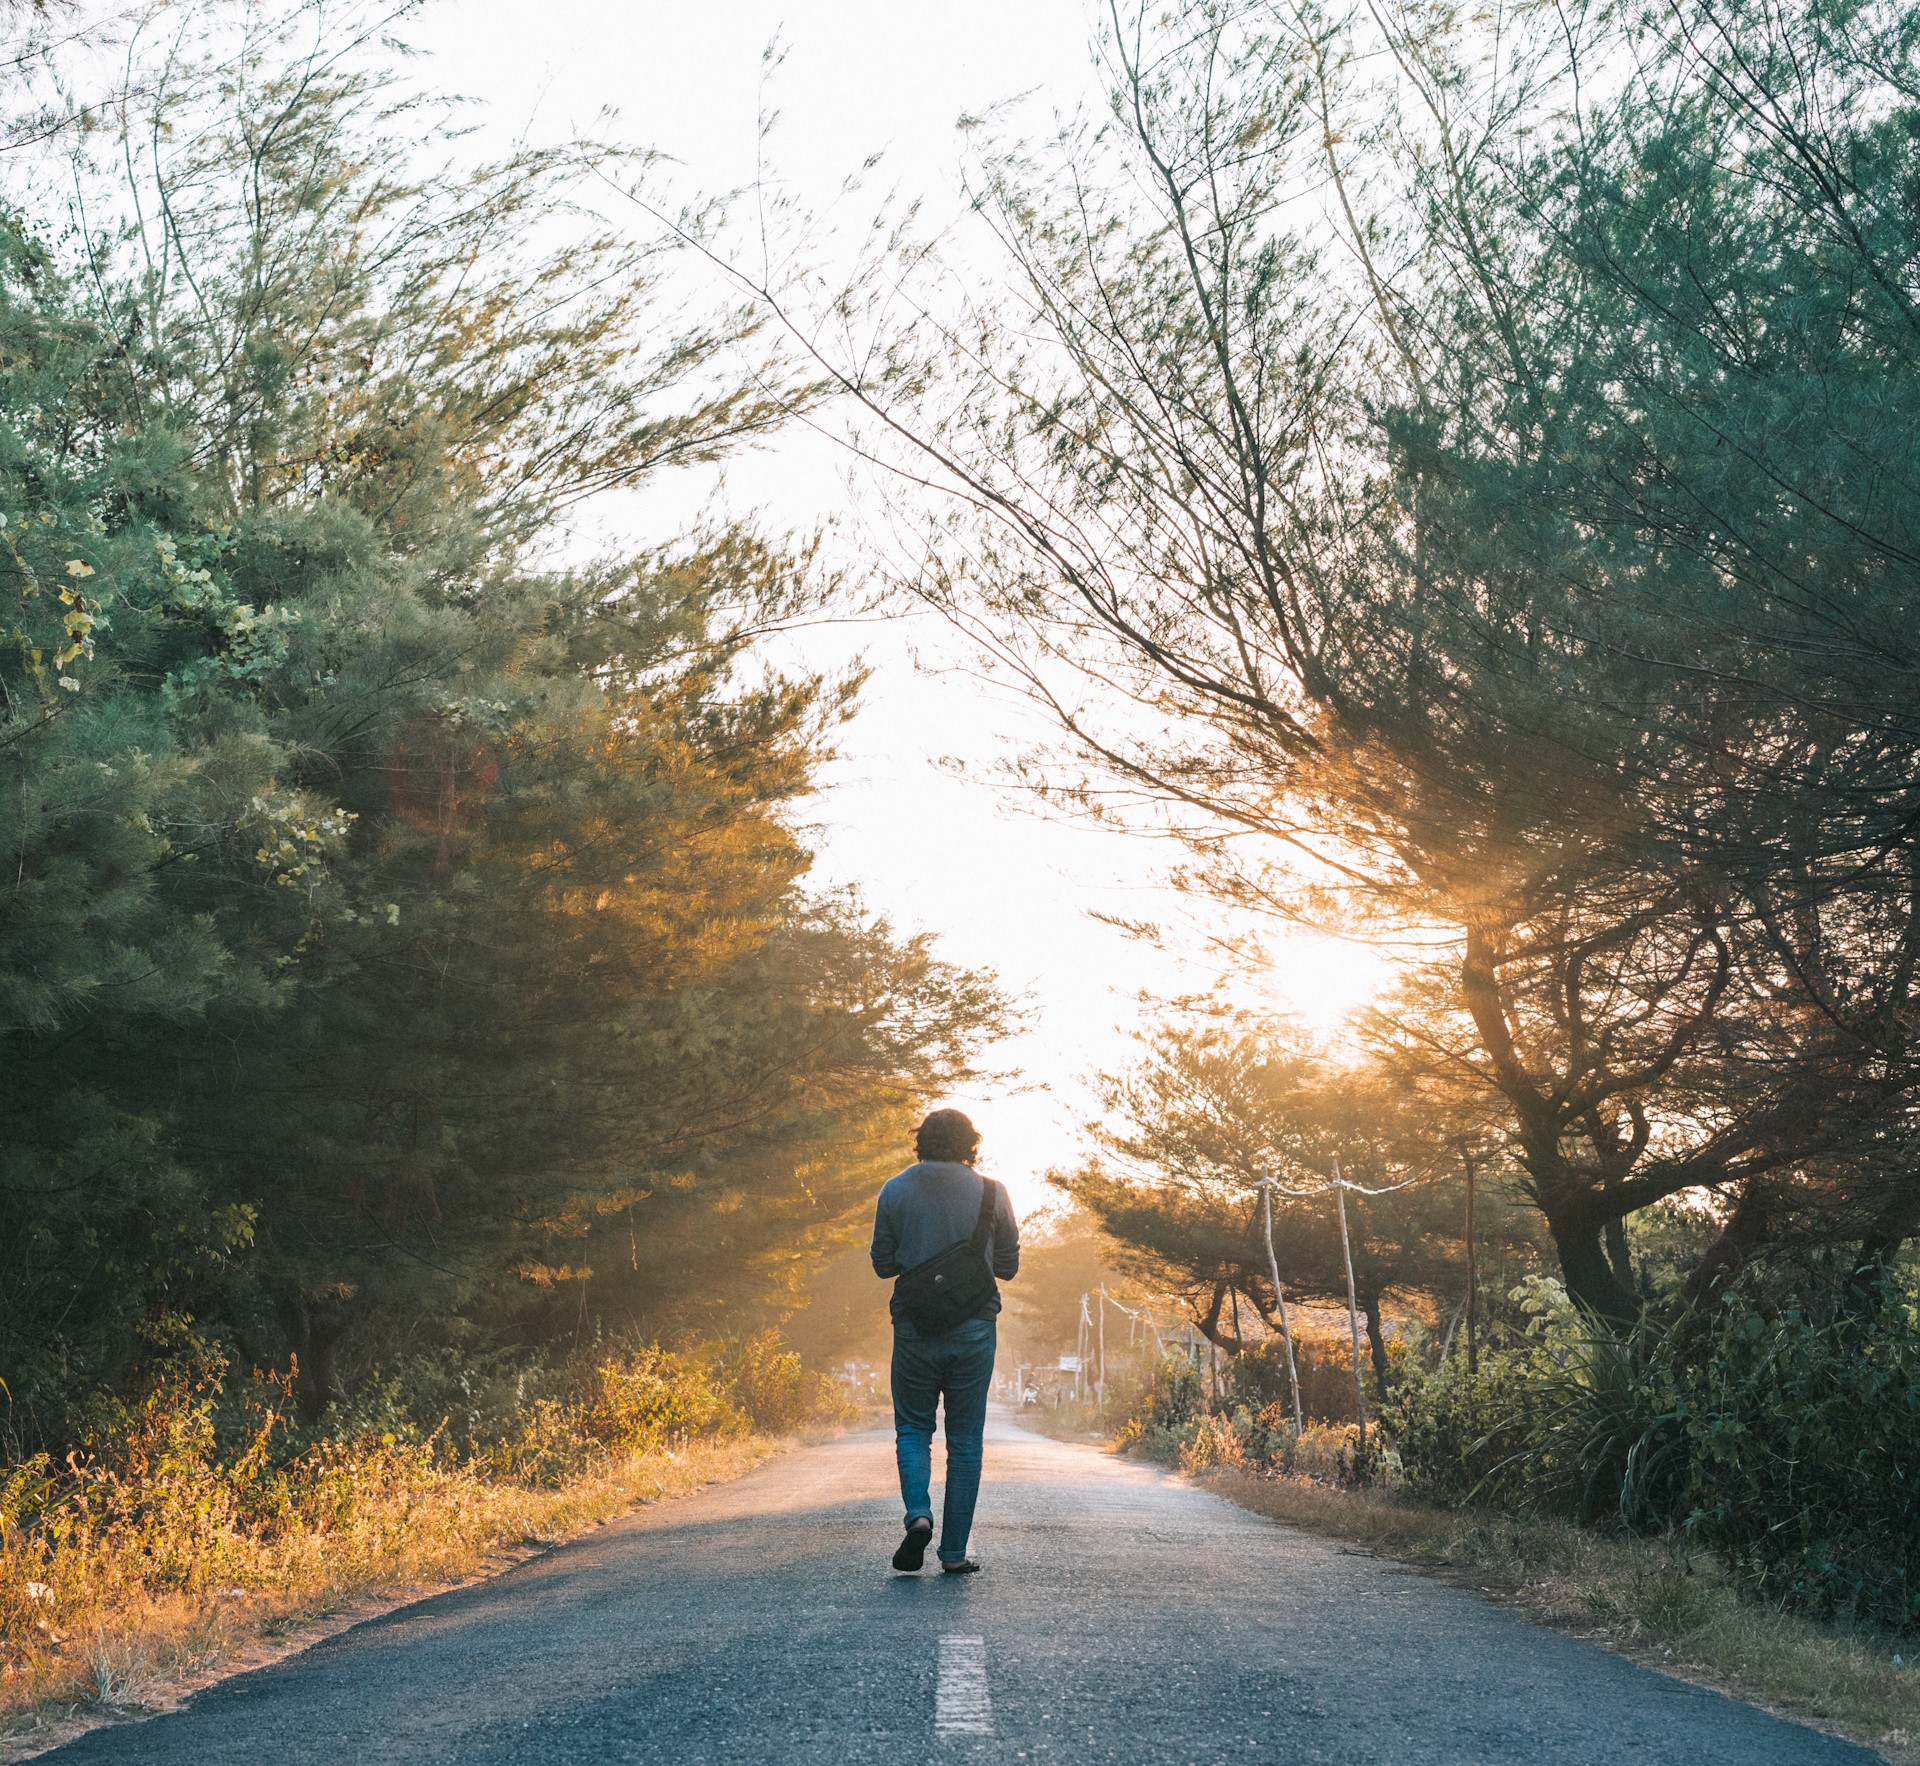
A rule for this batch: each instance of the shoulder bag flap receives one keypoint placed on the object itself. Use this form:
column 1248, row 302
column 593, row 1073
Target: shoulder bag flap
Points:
column 953, row 1284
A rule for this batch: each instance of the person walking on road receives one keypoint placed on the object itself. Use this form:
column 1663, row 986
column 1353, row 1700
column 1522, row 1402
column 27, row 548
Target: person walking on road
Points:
column 944, row 1232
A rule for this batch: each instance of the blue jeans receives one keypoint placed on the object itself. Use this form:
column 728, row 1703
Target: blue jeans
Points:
column 959, row 1367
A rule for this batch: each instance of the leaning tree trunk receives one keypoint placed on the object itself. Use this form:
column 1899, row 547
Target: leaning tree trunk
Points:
column 1376, row 1342
column 1891, row 1228
column 1748, row 1228
column 1212, row 1329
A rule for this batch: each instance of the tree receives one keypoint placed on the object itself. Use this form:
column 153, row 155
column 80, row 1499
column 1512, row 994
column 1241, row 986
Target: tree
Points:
column 1212, row 1110
column 408, row 935
column 1465, row 596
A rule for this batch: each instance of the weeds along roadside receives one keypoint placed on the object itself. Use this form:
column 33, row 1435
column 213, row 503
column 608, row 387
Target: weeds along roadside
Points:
column 1653, row 1599
column 1729, row 1499
column 204, row 1520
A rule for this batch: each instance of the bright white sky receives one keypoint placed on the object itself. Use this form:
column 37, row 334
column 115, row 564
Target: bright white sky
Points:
column 1001, row 888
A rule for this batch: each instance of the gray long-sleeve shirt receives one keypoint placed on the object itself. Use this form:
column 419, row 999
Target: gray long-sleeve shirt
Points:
column 932, row 1205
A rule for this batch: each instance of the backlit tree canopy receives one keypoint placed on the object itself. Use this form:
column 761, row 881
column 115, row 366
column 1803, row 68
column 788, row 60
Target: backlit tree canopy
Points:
column 404, row 937
column 1462, row 471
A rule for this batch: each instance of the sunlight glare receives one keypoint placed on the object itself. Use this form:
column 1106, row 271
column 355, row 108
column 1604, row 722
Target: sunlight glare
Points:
column 1323, row 980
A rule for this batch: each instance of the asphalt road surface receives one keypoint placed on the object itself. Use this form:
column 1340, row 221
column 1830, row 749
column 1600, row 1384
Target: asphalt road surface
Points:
column 1121, row 1616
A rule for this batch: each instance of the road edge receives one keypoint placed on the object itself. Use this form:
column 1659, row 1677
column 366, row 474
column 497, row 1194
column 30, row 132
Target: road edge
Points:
column 1504, row 1590
column 294, row 1634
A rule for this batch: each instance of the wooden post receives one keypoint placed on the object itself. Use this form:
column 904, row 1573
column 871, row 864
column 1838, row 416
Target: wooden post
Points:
column 1473, row 1278
column 1100, row 1390
column 1280, row 1300
column 1353, row 1311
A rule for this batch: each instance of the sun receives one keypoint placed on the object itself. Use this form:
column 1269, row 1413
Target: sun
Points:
column 1323, row 980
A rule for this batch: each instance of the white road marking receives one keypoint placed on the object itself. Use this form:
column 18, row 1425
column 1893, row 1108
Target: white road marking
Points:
column 960, row 1703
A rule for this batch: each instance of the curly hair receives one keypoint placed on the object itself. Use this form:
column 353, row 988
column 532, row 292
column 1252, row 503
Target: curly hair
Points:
column 947, row 1135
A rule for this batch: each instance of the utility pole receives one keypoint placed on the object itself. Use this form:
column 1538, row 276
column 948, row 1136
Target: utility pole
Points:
column 1353, row 1310
column 1280, row 1300
column 1100, row 1390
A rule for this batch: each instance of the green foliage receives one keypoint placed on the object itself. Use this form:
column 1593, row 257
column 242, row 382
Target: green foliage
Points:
column 1264, row 1443
column 1516, row 551
column 1452, row 1428
column 1215, row 1104
column 1783, row 1444
column 1596, row 1418
column 405, row 954
column 1566, row 1417
column 1258, row 1376
column 770, row 1386
column 207, row 1485
column 1805, row 1452
column 1178, row 1395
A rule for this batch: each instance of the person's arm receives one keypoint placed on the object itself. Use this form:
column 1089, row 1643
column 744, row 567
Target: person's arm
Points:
column 885, row 1249
column 1006, row 1237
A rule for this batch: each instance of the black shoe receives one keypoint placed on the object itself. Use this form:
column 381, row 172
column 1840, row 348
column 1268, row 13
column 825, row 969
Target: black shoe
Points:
column 965, row 1567
column 913, row 1549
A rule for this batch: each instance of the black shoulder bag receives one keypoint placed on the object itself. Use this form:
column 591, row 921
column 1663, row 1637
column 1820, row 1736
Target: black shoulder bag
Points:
column 952, row 1284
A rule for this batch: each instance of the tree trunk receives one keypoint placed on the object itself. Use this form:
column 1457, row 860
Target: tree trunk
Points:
column 1584, row 1267
column 315, row 1343
column 1618, row 1256
column 1891, row 1228
column 1377, row 1342
column 1747, row 1229
column 1210, row 1326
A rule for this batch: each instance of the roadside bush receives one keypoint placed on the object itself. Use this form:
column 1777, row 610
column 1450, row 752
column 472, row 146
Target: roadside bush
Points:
column 1265, row 1444
column 1457, row 1432
column 1216, row 1441
column 1326, row 1376
column 1573, row 1420
column 1788, row 1446
column 1179, row 1396
column 203, row 1488
column 1591, row 1425
column 769, row 1384
column 1805, row 1458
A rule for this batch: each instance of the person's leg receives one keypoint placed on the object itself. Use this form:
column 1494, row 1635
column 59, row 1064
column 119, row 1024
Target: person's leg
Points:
column 966, row 1376
column 916, row 1388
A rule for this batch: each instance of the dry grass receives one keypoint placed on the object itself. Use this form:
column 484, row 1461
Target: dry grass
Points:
column 1652, row 1600
column 127, row 1643
column 203, row 1531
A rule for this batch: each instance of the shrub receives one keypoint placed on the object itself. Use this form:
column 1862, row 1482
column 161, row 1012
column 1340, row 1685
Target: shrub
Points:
column 1596, row 1426
column 1456, row 1432
column 1179, row 1395
column 1573, row 1420
column 1326, row 1376
column 769, row 1384
column 1805, row 1458
column 1787, row 1446
column 1215, row 1441
column 202, row 1486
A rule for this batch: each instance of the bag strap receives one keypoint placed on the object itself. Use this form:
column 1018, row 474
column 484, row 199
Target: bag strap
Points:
column 983, row 1227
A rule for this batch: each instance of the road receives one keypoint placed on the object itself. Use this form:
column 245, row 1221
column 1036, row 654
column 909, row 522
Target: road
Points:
column 1121, row 1616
